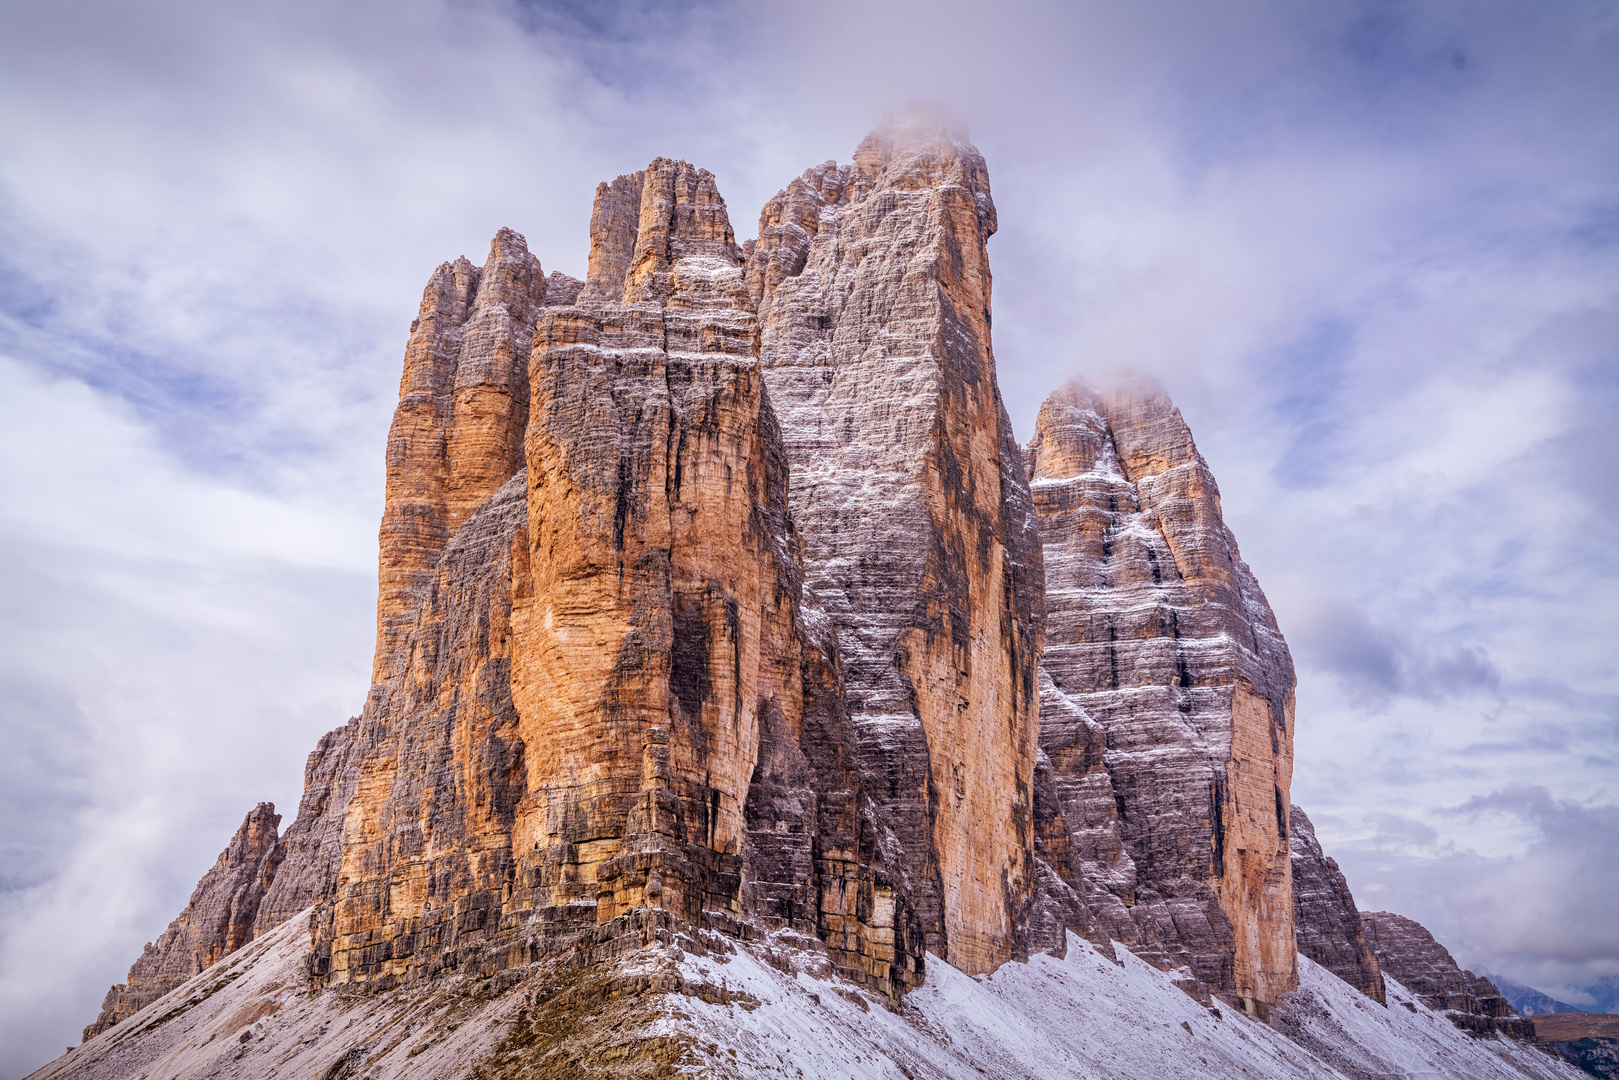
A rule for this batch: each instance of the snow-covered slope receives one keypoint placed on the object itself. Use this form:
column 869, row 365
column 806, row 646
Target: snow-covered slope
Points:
column 1081, row 1015
column 770, row 1011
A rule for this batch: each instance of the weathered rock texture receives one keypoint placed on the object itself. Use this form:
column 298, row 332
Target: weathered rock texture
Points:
column 712, row 602
column 1168, row 714
column 457, row 434
column 311, row 849
column 1324, row 915
column 610, row 650
column 218, row 920
column 873, row 289
column 1407, row 951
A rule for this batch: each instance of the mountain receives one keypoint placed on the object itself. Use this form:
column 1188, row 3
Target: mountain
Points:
column 1167, row 696
column 1406, row 950
column 746, row 701
column 1529, row 1001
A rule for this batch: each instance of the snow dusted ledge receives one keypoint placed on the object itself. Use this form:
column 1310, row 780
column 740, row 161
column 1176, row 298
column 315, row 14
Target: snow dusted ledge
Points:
column 1081, row 1015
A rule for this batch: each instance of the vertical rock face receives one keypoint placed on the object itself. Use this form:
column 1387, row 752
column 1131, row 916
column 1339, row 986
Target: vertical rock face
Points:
column 610, row 649
column 654, row 621
column 425, row 854
column 312, row 848
column 1170, row 702
column 218, row 920
column 873, row 290
column 457, row 434
column 1407, row 951
column 1324, row 915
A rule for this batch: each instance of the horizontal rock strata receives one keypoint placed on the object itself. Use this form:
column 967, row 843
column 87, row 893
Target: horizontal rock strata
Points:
column 873, row 289
column 1407, row 951
column 1168, row 702
column 1324, row 915
column 610, row 651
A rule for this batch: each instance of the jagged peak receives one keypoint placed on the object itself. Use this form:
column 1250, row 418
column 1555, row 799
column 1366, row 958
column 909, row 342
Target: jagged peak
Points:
column 924, row 146
column 1134, row 420
column 645, row 223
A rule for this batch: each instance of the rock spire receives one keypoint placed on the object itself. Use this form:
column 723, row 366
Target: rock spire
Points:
column 1168, row 695
column 908, row 494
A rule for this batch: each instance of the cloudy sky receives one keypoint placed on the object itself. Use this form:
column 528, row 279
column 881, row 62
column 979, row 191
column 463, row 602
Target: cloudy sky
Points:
column 1371, row 249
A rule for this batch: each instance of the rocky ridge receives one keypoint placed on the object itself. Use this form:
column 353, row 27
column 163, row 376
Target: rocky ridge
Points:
column 720, row 610
column 218, row 920
column 1407, row 951
column 1329, row 927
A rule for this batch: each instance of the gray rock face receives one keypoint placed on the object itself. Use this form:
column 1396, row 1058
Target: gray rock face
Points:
column 312, row 848
column 1167, row 707
column 1324, row 915
column 218, row 920
column 873, row 289
column 1407, row 951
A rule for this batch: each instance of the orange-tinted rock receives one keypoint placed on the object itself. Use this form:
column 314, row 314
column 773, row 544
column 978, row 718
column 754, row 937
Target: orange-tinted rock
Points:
column 663, row 662
column 655, row 619
column 457, row 433
column 1170, row 700
column 425, row 856
column 873, row 290
column 218, row 920
column 574, row 710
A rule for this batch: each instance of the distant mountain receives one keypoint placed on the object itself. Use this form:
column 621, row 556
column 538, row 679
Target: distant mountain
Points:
column 1604, row 994
column 1529, row 1001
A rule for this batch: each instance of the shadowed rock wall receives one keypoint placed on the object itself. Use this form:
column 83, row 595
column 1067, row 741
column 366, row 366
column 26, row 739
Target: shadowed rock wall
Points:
column 218, row 920
column 1324, row 914
column 1407, row 951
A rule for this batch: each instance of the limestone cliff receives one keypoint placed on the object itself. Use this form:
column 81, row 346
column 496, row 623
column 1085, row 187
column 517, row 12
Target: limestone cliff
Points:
column 713, row 596
column 1407, row 951
column 457, row 433
column 218, row 920
column 1324, row 916
column 1169, row 703
column 873, row 289
column 574, row 709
